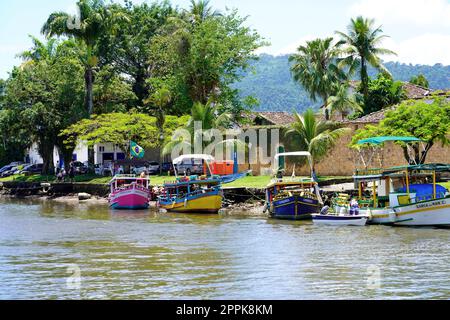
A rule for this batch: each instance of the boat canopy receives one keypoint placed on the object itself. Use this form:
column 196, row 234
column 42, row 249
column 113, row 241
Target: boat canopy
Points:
column 292, row 154
column 381, row 140
column 377, row 174
column 205, row 157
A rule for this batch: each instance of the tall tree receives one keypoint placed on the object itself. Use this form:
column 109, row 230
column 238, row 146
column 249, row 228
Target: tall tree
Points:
column 129, row 51
column 45, row 95
column 315, row 136
column 94, row 20
column 313, row 66
column 361, row 49
column 208, row 58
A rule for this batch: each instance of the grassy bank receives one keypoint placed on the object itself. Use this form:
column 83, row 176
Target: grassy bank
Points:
column 247, row 182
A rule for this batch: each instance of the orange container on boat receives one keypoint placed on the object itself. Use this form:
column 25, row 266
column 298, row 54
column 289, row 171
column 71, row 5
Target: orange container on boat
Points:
column 221, row 168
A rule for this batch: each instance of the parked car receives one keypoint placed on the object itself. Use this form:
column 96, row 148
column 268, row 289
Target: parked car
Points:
column 153, row 167
column 167, row 167
column 16, row 163
column 32, row 168
column 190, row 166
column 139, row 170
column 9, row 172
column 80, row 168
column 103, row 169
column 6, row 168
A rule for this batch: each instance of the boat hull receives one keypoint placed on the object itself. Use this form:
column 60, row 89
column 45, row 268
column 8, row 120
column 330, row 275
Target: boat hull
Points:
column 332, row 220
column 294, row 208
column 426, row 213
column 132, row 199
column 379, row 215
column 201, row 204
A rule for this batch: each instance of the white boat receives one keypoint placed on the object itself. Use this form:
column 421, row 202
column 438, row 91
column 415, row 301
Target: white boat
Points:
column 424, row 213
column 417, row 202
column 340, row 220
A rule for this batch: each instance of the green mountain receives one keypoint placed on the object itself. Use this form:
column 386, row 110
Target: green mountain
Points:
column 270, row 81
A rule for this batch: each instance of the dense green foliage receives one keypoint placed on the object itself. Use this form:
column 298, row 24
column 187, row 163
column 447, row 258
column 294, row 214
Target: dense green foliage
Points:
column 420, row 80
column 118, row 60
column 428, row 121
column 382, row 92
column 120, row 129
column 270, row 81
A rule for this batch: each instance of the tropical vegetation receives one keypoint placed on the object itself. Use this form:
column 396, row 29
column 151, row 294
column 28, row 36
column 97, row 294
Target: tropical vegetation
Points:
column 123, row 65
column 315, row 136
column 426, row 120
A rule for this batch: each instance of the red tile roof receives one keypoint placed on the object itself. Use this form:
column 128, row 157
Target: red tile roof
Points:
column 412, row 91
column 273, row 117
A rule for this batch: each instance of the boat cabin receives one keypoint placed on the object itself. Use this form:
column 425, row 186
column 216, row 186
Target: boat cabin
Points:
column 127, row 181
column 190, row 186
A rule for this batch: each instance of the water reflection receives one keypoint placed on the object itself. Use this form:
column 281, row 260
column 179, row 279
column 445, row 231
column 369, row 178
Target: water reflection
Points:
column 153, row 255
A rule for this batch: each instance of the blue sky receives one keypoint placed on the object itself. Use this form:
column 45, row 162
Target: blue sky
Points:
column 419, row 29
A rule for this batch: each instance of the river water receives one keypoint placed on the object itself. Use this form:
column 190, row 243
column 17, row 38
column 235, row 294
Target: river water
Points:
column 51, row 250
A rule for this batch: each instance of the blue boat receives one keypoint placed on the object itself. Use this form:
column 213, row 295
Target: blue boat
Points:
column 292, row 198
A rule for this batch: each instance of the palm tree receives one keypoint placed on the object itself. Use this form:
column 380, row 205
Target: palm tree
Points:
column 315, row 69
column 95, row 20
column 39, row 52
column 201, row 10
column 361, row 49
column 342, row 101
column 205, row 115
column 315, row 136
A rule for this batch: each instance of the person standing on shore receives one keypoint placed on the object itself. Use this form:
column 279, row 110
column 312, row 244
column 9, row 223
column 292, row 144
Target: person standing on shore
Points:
column 71, row 172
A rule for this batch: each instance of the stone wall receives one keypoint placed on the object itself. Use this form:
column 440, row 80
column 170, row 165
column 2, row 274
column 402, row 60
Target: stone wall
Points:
column 342, row 161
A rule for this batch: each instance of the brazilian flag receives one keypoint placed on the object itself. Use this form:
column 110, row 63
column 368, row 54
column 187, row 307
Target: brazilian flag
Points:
column 136, row 150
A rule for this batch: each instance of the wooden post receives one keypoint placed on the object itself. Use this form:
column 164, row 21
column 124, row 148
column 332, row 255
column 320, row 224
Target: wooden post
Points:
column 434, row 185
column 407, row 182
column 360, row 191
column 374, row 190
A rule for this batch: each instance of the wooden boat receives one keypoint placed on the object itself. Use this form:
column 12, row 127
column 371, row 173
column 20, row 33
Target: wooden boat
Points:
column 192, row 194
column 340, row 220
column 292, row 198
column 406, row 195
column 129, row 192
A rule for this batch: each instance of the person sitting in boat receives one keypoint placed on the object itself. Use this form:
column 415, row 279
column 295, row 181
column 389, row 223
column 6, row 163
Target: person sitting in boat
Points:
column 354, row 207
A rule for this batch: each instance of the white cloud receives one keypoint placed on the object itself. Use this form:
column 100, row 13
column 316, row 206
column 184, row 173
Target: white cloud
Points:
column 403, row 12
column 424, row 49
column 292, row 47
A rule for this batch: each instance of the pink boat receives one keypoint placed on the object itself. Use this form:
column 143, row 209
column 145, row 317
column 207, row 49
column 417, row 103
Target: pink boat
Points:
column 129, row 192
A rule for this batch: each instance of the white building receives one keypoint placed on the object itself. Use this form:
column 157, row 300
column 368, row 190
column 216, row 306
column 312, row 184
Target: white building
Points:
column 105, row 152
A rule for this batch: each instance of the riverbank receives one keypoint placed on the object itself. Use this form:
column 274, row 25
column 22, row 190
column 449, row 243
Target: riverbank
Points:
column 246, row 182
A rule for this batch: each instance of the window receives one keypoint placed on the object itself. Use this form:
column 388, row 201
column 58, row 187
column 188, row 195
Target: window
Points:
column 74, row 157
column 101, row 149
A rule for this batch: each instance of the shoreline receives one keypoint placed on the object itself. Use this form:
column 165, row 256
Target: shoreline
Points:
column 250, row 208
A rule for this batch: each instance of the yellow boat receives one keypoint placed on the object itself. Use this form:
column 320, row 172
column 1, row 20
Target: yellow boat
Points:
column 192, row 194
